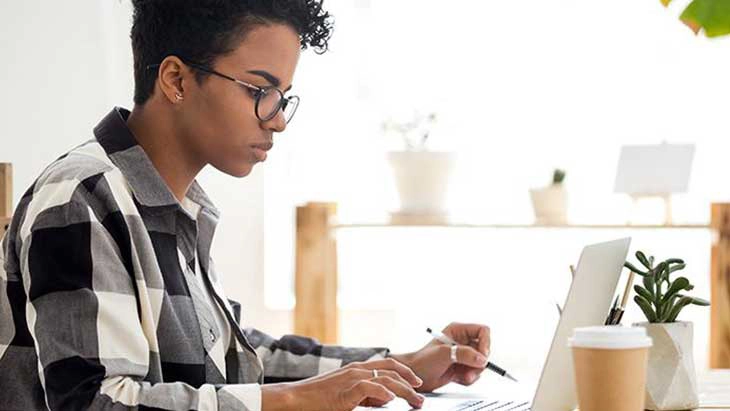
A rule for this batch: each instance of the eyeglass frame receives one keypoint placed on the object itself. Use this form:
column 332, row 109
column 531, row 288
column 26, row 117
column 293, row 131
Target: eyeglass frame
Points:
column 260, row 91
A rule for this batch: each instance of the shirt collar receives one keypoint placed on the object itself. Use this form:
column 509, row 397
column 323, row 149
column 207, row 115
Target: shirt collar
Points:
column 147, row 185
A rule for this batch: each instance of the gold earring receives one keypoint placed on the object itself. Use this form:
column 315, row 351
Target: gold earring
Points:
column 178, row 97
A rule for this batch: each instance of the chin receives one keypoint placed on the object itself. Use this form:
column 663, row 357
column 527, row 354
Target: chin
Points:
column 236, row 170
column 243, row 171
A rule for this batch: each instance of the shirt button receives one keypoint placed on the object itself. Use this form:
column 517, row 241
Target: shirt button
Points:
column 212, row 335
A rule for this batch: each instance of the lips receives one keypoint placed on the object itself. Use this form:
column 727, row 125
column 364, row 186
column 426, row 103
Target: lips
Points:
column 259, row 150
column 264, row 146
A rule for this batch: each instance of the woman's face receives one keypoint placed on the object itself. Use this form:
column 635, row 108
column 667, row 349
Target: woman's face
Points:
column 218, row 121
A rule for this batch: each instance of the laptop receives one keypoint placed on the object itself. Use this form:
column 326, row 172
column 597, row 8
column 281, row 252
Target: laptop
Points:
column 587, row 304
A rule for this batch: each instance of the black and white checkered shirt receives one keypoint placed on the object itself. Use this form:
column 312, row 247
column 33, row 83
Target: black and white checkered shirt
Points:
column 99, row 304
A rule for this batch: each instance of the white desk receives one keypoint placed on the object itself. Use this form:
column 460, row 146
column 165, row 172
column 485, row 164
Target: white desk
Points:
column 714, row 390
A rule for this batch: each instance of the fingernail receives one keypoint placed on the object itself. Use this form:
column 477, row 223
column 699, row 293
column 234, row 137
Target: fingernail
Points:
column 483, row 360
column 419, row 382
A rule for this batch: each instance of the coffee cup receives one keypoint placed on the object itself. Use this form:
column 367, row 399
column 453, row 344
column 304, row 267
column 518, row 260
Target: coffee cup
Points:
column 610, row 367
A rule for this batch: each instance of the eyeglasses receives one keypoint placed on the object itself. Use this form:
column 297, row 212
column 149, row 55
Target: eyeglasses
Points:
column 268, row 100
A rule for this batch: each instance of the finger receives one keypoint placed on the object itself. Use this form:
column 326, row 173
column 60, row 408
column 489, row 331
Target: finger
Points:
column 394, row 375
column 469, row 356
column 373, row 403
column 359, row 374
column 369, row 402
column 467, row 377
column 484, row 340
column 391, row 364
column 402, row 389
column 475, row 335
column 368, row 391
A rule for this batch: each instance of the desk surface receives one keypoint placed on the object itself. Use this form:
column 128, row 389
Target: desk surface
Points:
column 714, row 390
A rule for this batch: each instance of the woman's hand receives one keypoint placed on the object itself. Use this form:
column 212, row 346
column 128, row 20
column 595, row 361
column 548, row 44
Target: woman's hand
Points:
column 346, row 388
column 433, row 363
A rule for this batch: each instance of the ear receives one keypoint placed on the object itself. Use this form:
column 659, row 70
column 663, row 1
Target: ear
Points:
column 170, row 78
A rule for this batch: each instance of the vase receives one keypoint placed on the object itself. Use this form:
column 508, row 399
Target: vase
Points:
column 671, row 380
column 422, row 179
column 550, row 204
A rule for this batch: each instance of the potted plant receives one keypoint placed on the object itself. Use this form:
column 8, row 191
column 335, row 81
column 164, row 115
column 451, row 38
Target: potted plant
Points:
column 671, row 380
column 551, row 203
column 421, row 176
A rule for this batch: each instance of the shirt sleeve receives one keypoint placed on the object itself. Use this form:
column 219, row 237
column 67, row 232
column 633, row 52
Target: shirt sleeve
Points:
column 293, row 357
column 85, row 314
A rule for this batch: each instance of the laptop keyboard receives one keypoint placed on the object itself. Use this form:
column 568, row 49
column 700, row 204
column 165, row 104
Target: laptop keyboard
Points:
column 487, row 405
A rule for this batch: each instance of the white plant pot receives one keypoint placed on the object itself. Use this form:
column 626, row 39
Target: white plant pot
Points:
column 550, row 204
column 422, row 179
column 671, row 380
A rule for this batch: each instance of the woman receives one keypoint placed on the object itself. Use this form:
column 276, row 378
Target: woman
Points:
column 111, row 299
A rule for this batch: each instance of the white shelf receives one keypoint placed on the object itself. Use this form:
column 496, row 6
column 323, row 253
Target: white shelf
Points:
column 339, row 225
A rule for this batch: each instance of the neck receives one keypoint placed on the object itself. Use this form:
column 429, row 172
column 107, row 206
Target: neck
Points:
column 155, row 132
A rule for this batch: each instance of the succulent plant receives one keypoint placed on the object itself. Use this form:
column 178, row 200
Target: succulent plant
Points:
column 661, row 299
column 414, row 132
column 558, row 176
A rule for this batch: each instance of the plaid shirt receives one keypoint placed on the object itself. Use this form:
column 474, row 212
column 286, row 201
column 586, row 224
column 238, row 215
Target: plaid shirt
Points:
column 99, row 306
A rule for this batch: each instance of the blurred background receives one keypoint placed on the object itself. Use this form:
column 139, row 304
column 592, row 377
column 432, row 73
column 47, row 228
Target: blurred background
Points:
column 518, row 89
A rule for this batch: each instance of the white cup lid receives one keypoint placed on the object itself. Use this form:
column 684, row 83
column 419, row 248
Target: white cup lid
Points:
column 610, row 337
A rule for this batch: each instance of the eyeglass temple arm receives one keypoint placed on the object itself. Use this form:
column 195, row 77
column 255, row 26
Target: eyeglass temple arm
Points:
column 215, row 73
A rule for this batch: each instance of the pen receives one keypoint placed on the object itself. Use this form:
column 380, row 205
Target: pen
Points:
column 612, row 312
column 490, row 366
column 617, row 311
column 625, row 298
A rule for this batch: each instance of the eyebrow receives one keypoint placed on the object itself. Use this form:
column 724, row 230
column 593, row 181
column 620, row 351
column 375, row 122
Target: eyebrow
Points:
column 272, row 79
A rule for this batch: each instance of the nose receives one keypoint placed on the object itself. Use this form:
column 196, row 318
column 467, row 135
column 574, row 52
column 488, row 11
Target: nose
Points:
column 277, row 124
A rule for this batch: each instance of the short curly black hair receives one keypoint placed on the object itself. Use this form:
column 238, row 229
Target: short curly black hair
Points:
column 202, row 30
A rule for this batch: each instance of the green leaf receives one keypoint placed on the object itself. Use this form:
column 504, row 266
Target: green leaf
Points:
column 648, row 281
column 674, row 261
column 659, row 271
column 668, row 298
column 634, row 269
column 696, row 300
column 667, row 308
column 558, row 176
column 671, row 269
column 658, row 297
column 646, row 308
column 672, row 300
column 658, row 278
column 681, row 283
column 643, row 260
column 664, row 314
column 642, row 292
column 683, row 302
column 675, row 267
column 700, row 301
column 712, row 16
